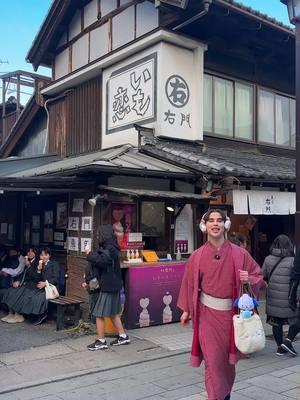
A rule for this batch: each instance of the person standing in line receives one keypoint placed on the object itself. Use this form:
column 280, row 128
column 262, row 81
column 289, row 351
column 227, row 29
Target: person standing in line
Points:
column 106, row 262
column 277, row 270
column 211, row 282
column 293, row 300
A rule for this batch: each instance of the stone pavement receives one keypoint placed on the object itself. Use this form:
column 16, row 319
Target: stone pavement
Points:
column 155, row 366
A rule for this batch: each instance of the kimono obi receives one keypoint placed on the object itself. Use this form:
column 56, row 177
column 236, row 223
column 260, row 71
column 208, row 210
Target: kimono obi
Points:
column 215, row 303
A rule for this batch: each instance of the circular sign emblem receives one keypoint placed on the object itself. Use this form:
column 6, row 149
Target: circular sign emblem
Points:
column 177, row 91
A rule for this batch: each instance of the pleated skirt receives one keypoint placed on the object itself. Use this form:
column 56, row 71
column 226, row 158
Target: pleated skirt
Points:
column 107, row 305
column 26, row 301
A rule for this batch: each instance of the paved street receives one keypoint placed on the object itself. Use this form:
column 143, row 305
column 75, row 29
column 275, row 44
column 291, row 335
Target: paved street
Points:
column 155, row 366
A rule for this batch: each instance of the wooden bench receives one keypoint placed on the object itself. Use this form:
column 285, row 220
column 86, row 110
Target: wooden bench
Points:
column 62, row 302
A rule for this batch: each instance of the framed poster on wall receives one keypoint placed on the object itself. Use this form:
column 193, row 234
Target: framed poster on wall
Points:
column 124, row 221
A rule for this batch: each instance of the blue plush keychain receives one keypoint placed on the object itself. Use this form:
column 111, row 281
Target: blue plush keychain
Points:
column 246, row 304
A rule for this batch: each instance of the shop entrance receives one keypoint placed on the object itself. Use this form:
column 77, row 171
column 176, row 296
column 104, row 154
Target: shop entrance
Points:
column 270, row 226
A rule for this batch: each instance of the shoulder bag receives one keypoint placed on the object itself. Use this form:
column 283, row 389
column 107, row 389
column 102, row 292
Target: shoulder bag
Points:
column 249, row 335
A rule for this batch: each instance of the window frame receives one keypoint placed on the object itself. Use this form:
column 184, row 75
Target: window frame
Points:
column 255, row 119
column 234, row 82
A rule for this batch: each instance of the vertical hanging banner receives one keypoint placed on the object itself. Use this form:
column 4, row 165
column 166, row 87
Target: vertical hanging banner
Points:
column 160, row 87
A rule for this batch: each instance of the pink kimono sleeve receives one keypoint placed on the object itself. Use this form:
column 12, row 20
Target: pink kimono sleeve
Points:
column 185, row 298
column 255, row 274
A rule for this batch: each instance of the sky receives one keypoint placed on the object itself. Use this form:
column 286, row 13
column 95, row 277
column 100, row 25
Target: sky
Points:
column 20, row 21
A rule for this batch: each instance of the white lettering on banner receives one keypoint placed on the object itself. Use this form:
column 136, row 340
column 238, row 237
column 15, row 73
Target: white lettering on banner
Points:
column 131, row 95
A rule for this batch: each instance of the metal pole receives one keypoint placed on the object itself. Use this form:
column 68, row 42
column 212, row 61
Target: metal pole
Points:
column 297, row 215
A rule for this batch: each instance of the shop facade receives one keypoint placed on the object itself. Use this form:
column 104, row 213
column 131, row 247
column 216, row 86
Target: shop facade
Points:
column 164, row 109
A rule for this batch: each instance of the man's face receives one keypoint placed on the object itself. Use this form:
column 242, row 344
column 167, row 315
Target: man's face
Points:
column 215, row 226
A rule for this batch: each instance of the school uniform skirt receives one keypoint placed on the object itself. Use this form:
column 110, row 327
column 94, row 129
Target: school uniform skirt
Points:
column 26, row 301
column 107, row 305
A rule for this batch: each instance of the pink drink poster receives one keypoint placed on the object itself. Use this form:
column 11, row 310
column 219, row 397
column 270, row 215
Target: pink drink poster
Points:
column 151, row 295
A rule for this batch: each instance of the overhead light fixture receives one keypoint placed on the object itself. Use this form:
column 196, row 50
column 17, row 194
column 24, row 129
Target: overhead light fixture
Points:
column 1, row 191
column 38, row 192
column 169, row 208
column 93, row 200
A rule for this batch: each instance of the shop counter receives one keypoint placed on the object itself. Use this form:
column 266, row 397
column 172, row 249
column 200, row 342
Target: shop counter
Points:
column 151, row 293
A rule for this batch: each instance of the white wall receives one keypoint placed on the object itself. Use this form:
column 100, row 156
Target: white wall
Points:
column 62, row 64
column 75, row 25
column 125, row 83
column 90, row 13
column 80, row 52
column 99, row 42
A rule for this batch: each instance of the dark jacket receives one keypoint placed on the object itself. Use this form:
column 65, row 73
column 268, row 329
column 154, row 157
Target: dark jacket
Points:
column 295, row 273
column 105, row 263
column 30, row 277
column 277, row 304
column 50, row 273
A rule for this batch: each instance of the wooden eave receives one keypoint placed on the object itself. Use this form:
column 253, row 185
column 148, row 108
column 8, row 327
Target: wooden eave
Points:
column 42, row 51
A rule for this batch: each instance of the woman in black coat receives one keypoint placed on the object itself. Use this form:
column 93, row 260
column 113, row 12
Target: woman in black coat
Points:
column 30, row 297
column 106, row 266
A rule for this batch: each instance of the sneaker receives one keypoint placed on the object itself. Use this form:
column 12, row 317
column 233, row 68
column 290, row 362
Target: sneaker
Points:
column 19, row 317
column 97, row 345
column 120, row 341
column 11, row 319
column 280, row 351
column 287, row 345
column 41, row 319
column 8, row 316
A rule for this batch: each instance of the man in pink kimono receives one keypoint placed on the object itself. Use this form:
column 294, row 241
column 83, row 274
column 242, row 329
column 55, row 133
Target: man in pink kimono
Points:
column 211, row 282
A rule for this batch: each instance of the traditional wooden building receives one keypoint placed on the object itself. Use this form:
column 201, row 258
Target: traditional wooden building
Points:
column 146, row 96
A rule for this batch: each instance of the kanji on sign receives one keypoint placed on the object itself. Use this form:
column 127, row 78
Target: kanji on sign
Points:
column 170, row 117
column 177, row 91
column 120, row 106
column 186, row 118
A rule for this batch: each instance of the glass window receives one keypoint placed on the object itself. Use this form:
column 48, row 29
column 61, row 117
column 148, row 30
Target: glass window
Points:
column 207, row 104
column 153, row 225
column 266, row 123
column 282, row 121
column 293, row 122
column 107, row 6
column 223, row 107
column 243, row 111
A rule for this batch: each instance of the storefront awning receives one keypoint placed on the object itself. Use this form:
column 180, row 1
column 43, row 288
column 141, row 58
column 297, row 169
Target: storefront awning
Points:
column 263, row 202
column 159, row 195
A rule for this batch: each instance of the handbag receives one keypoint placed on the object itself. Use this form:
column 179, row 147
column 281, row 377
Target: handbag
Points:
column 249, row 335
column 51, row 291
column 94, row 285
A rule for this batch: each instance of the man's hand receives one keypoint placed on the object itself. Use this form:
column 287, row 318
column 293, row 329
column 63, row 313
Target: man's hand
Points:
column 184, row 319
column 41, row 285
column 244, row 276
column 84, row 285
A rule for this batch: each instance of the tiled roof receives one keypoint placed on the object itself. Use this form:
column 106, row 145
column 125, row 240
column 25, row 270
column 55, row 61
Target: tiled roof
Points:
column 123, row 158
column 256, row 13
column 224, row 161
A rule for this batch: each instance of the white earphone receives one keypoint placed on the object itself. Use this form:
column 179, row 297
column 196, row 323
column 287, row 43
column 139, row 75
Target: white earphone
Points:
column 202, row 225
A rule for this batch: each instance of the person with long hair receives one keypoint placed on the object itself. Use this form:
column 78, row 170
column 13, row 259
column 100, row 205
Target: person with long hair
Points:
column 211, row 282
column 105, row 267
column 277, row 269
column 30, row 298
column 24, row 279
